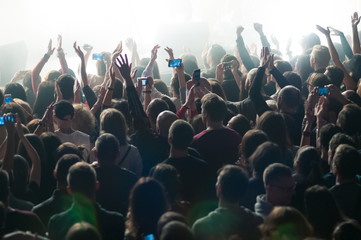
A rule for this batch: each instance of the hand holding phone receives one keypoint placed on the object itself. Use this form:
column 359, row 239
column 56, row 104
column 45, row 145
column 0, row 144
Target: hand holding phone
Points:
column 144, row 81
column 322, row 91
column 8, row 98
column 197, row 76
column 174, row 62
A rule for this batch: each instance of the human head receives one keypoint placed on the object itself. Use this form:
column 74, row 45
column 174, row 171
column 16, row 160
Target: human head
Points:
column 44, row 98
column 250, row 142
column 161, row 86
column 112, row 121
column 266, row 154
column 294, row 79
column 320, row 57
column 215, row 54
column 174, row 83
column 317, row 80
column 164, row 121
column 175, row 230
column 67, row 148
column 308, row 163
column 229, row 58
column 213, row 108
column 63, row 114
column 83, row 120
column 283, row 66
column 83, row 231
column 16, row 91
column 155, row 107
column 52, row 75
column 217, row 88
column 240, row 124
column 286, row 223
column 349, row 119
column 144, row 215
column 346, row 162
column 15, row 109
column 62, row 167
column 310, row 40
column 336, row 140
column 180, row 135
column 168, row 217
column 335, row 74
column 107, row 149
column 279, row 184
column 303, row 66
column 327, row 131
column 82, row 181
column 289, row 99
column 349, row 229
column 232, row 183
column 66, row 85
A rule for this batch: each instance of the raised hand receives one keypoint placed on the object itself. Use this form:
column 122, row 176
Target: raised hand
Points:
column 118, row 50
column 123, row 65
column 258, row 27
column 78, row 51
column 60, row 43
column 323, row 30
column 170, row 53
column 335, row 31
column 87, row 47
column 355, row 19
column 130, row 44
column 154, row 52
column 50, row 48
column 265, row 57
column 239, row 30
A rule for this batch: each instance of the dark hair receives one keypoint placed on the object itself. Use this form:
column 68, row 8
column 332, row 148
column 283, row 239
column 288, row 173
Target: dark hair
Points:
column 319, row 80
column 118, row 89
column 214, row 106
column 20, row 177
column 174, row 82
column 15, row 109
column 303, row 66
column 82, row 179
column 63, row 165
column 66, row 85
column 168, row 217
column 68, row 148
column 181, row 133
column 216, row 52
column 123, row 107
column 155, row 107
column 107, row 147
column 197, row 124
column 290, row 96
column 274, row 172
column 161, row 86
column 63, row 108
column 327, row 131
column 240, row 124
column 347, row 160
column 309, row 165
column 171, row 105
column 233, row 181
column 347, row 230
column 266, row 154
column 335, row 75
column 251, row 140
column 283, row 66
column 228, row 73
column 112, row 121
column 322, row 210
column 294, row 79
column 83, row 231
column 217, row 88
column 175, row 230
column 274, row 125
column 52, row 75
column 168, row 176
column 349, row 119
column 144, row 215
column 44, row 98
column 16, row 91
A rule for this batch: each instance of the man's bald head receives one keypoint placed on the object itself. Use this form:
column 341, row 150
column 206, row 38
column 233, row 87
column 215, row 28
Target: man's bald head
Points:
column 164, row 121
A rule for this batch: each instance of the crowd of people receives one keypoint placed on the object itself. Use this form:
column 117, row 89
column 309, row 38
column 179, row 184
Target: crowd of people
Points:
column 256, row 147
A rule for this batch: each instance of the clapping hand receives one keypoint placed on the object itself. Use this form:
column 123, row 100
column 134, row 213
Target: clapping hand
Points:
column 50, row 48
column 323, row 30
column 355, row 19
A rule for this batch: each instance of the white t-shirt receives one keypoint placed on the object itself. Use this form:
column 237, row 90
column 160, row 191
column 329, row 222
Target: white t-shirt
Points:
column 77, row 137
column 133, row 161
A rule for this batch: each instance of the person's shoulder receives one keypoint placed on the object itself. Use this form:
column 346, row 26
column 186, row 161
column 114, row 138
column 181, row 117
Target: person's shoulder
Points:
column 199, row 135
column 78, row 133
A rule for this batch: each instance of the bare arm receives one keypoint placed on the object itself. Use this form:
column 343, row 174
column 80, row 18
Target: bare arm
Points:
column 355, row 20
column 61, row 56
column 148, row 71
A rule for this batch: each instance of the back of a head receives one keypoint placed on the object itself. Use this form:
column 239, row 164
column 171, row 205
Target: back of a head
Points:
column 286, row 223
column 14, row 109
column 118, row 89
column 289, row 96
column 161, row 86
column 168, row 176
column 308, row 163
column 266, row 154
column 251, row 140
column 310, row 40
column 274, row 172
column 294, row 79
column 335, row 74
column 176, row 231
column 68, row 148
column 66, row 85
column 174, row 82
column 44, row 98
column 274, row 125
column 171, row 105
column 168, row 217
column 214, row 106
column 240, row 124
column 338, row 139
column 112, row 121
column 229, row 58
column 321, row 55
column 63, row 165
column 107, row 148
column 327, row 131
column 181, row 134
column 83, row 231
column 216, row 52
column 52, row 75
column 319, row 80
column 83, row 120
column 283, row 66
column 144, row 215
column 63, row 109
column 347, row 230
column 217, row 88
column 164, row 120
column 82, row 179
column 155, row 107
column 347, row 161
column 16, row 90
column 233, row 181
column 349, row 119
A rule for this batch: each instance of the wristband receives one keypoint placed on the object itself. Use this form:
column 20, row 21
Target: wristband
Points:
column 147, row 91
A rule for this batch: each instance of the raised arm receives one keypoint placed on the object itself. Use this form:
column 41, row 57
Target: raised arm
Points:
column 148, row 71
column 242, row 50
column 109, row 92
column 259, row 29
column 347, row 79
column 88, row 50
column 35, row 74
column 345, row 46
column 280, row 79
column 8, row 161
column 61, row 56
column 132, row 46
column 355, row 20
column 35, row 171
